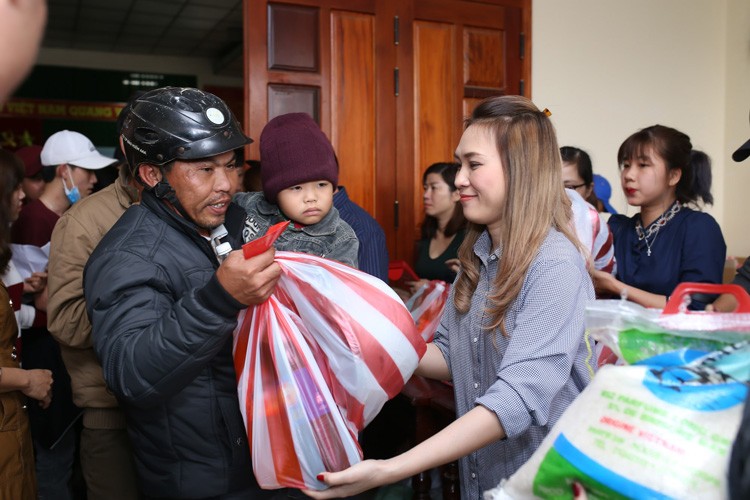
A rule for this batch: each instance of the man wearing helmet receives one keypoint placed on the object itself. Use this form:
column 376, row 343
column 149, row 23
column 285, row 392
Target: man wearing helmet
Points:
column 163, row 303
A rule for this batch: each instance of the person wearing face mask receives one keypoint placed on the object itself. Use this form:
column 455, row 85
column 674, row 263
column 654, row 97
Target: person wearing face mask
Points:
column 70, row 163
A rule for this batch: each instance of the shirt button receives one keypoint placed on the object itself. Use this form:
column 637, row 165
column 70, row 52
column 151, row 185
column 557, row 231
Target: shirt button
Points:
column 476, row 339
column 473, row 475
column 492, row 257
column 476, row 385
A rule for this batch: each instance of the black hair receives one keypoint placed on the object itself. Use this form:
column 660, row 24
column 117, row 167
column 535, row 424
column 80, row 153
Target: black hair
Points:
column 11, row 176
column 701, row 164
column 581, row 160
column 675, row 148
column 48, row 173
column 251, row 180
column 457, row 222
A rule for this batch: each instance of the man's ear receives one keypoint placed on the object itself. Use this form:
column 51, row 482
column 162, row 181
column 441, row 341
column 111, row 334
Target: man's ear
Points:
column 62, row 172
column 150, row 174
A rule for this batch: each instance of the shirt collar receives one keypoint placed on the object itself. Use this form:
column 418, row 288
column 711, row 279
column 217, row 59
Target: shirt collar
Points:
column 483, row 248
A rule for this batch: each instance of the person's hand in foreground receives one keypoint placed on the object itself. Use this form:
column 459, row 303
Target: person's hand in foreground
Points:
column 250, row 281
column 356, row 479
column 578, row 492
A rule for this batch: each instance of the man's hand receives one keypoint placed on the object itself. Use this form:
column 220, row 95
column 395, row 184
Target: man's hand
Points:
column 249, row 281
column 35, row 283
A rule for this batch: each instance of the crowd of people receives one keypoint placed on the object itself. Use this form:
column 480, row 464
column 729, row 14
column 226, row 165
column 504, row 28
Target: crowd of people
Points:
column 124, row 366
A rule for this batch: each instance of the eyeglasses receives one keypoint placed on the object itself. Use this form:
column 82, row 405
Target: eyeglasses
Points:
column 574, row 186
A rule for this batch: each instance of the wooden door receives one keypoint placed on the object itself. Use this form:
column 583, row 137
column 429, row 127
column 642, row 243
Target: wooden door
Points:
column 389, row 81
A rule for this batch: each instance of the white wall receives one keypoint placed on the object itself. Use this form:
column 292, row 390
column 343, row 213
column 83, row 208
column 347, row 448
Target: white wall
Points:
column 137, row 63
column 737, row 175
column 606, row 68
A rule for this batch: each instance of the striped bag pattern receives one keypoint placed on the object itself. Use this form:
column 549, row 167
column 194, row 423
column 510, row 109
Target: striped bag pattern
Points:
column 315, row 363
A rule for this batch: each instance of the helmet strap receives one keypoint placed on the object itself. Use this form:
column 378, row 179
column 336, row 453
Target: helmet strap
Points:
column 164, row 191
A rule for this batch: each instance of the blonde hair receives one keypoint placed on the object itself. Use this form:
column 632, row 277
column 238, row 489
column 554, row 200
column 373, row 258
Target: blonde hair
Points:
column 535, row 200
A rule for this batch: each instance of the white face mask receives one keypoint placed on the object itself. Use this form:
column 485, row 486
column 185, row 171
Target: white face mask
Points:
column 73, row 193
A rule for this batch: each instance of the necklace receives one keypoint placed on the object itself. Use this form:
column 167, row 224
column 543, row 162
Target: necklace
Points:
column 653, row 229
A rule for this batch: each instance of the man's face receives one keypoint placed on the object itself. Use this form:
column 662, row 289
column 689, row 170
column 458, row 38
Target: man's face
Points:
column 83, row 178
column 33, row 187
column 204, row 187
column 21, row 28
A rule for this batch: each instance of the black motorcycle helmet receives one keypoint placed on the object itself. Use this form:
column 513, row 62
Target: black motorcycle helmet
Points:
column 173, row 123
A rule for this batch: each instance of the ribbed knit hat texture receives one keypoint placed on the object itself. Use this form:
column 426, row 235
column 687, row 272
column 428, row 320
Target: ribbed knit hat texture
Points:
column 294, row 150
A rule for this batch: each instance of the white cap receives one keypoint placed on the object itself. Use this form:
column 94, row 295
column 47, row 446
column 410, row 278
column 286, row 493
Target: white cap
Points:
column 75, row 149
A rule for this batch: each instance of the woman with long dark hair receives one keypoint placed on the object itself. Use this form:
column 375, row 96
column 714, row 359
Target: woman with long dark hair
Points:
column 17, row 477
column 443, row 226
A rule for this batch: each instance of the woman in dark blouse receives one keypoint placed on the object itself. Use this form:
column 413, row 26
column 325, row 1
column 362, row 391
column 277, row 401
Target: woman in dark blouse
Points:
column 443, row 226
column 667, row 242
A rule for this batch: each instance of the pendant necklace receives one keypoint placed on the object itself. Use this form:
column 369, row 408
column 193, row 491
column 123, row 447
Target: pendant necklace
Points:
column 653, row 229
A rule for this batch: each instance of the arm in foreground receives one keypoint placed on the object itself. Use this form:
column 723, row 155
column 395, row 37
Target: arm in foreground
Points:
column 472, row 431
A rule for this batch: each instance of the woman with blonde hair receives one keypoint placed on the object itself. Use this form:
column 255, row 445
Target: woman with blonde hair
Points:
column 512, row 336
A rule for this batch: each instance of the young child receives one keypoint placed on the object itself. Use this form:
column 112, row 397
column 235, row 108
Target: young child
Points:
column 299, row 173
column 666, row 243
column 512, row 336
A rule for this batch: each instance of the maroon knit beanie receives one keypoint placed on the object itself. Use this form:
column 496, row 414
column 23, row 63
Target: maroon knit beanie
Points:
column 294, row 150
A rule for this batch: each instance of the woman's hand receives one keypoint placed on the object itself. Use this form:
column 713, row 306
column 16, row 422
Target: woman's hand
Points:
column 725, row 303
column 606, row 284
column 404, row 295
column 39, row 386
column 453, row 264
column 414, row 286
column 356, row 479
column 578, row 492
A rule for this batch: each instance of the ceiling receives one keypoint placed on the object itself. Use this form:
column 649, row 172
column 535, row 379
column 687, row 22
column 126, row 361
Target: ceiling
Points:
column 210, row 29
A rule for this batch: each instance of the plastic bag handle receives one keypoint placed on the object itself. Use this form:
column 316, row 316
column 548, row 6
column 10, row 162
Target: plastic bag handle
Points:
column 675, row 300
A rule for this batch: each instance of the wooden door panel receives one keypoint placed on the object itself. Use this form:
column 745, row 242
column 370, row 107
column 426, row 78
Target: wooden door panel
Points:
column 484, row 51
column 389, row 81
column 353, row 127
column 462, row 53
column 462, row 12
column 293, row 38
column 284, row 99
column 434, row 100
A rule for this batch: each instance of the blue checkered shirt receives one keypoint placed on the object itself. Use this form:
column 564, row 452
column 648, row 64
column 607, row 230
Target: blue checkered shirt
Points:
column 529, row 378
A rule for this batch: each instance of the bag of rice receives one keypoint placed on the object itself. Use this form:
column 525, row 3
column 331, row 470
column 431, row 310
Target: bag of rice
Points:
column 634, row 333
column 661, row 429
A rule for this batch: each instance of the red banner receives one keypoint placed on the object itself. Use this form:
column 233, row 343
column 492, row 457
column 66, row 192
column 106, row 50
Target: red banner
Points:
column 66, row 110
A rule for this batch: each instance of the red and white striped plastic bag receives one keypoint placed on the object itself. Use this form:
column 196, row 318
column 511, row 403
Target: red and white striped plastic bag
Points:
column 426, row 306
column 315, row 363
